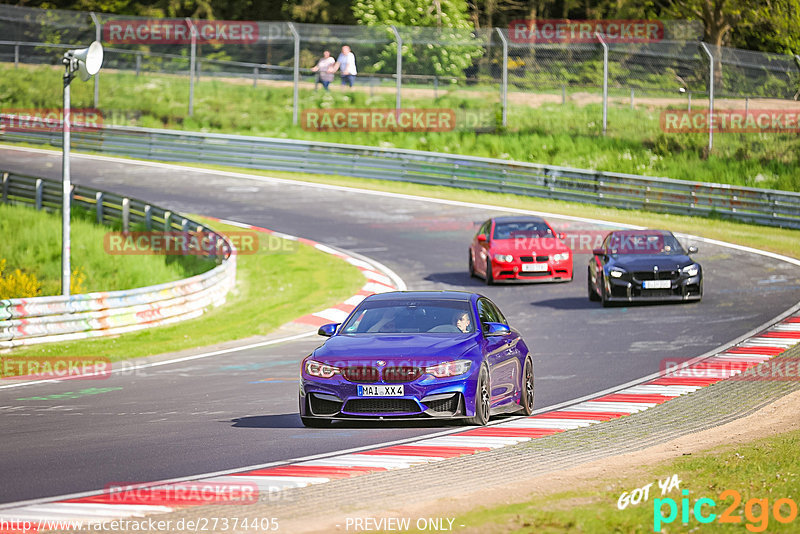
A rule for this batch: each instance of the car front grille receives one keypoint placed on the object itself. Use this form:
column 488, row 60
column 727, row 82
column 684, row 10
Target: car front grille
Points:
column 529, row 259
column 401, row 374
column 659, row 275
column 381, row 405
column 363, row 373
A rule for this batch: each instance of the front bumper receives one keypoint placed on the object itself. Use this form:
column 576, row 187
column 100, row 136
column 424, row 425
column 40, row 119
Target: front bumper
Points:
column 631, row 290
column 513, row 272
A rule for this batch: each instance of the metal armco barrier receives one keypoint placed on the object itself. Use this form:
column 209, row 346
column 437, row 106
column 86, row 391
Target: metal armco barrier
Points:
column 617, row 190
column 28, row 321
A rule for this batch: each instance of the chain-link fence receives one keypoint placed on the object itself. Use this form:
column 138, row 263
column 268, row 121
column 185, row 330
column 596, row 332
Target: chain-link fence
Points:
column 493, row 68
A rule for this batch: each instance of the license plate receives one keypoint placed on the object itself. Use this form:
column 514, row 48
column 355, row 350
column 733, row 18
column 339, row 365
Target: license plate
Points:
column 380, row 391
column 534, row 267
column 657, row 284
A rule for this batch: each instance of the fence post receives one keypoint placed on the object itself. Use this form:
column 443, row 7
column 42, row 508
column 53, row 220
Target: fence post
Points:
column 631, row 97
column 192, row 53
column 148, row 217
column 126, row 215
column 98, row 35
column 138, row 63
column 690, row 100
column 296, row 71
column 605, row 81
column 255, row 77
column 504, row 79
column 167, row 222
column 38, row 196
column 16, row 56
column 563, row 94
column 99, row 199
column 399, row 68
column 710, row 96
column 5, row 187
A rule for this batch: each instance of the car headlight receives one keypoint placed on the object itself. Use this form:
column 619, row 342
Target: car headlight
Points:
column 616, row 273
column 691, row 270
column 505, row 258
column 454, row 368
column 562, row 256
column 321, row 370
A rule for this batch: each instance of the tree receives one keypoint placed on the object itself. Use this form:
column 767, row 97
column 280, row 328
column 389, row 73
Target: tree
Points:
column 445, row 46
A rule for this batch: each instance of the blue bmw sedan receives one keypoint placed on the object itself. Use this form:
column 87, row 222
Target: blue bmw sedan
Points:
column 418, row 355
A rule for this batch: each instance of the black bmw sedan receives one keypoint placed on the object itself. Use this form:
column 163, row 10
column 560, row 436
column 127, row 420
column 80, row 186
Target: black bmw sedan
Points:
column 643, row 265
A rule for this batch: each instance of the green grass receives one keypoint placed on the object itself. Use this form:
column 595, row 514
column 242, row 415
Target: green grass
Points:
column 568, row 135
column 272, row 288
column 763, row 469
column 778, row 240
column 32, row 243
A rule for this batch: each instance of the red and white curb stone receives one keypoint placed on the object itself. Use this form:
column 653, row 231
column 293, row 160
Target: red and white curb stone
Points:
column 129, row 504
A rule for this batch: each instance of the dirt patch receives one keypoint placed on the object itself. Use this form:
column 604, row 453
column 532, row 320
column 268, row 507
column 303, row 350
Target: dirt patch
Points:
column 781, row 416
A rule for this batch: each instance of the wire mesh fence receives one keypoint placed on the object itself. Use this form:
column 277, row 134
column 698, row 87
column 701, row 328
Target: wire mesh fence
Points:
column 493, row 68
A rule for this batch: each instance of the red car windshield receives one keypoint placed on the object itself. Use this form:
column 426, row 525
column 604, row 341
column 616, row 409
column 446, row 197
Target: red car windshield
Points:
column 522, row 229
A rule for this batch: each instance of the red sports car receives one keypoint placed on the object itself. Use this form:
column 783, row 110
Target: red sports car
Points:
column 519, row 248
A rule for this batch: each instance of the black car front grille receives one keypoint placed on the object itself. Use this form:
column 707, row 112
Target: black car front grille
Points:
column 401, row 374
column 381, row 405
column 321, row 406
column 448, row 405
column 529, row 259
column 656, row 275
column 363, row 373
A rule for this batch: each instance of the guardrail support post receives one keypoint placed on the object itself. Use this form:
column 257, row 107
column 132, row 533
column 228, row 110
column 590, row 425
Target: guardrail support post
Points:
column 5, row 187
column 167, row 222
column 255, row 77
column 504, row 78
column 98, row 35
column 192, row 54
column 605, row 81
column 99, row 198
column 710, row 96
column 296, row 71
column 138, row 63
column 126, row 215
column 398, row 100
column 148, row 217
column 38, row 196
column 16, row 56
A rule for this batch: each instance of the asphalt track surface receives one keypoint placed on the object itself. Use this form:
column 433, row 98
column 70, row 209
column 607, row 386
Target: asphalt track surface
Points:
column 240, row 409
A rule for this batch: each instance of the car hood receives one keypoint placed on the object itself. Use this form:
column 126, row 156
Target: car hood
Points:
column 646, row 262
column 534, row 246
column 364, row 348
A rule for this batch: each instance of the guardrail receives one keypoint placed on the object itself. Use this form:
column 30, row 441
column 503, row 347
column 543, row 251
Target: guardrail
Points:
column 609, row 189
column 28, row 321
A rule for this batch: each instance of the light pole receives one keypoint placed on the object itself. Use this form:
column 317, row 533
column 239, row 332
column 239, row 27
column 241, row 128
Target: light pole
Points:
column 87, row 63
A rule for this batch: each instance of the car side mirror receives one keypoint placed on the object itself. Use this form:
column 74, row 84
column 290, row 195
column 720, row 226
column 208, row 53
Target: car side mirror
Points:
column 482, row 238
column 561, row 235
column 327, row 330
column 693, row 250
column 496, row 329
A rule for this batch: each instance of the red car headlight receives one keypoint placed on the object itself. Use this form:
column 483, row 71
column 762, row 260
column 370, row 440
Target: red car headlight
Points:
column 454, row 368
column 321, row 370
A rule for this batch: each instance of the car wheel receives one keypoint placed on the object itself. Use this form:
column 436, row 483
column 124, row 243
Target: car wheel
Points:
column 313, row 422
column 482, row 400
column 471, row 266
column 526, row 399
column 489, row 275
column 593, row 296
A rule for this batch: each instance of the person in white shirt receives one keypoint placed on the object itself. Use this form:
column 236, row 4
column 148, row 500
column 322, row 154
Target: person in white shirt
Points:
column 323, row 68
column 346, row 62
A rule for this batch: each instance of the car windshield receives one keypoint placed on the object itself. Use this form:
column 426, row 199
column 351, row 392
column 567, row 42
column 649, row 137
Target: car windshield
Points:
column 522, row 229
column 408, row 316
column 664, row 244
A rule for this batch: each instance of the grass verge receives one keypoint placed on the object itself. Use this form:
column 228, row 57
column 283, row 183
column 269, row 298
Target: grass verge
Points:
column 36, row 251
column 540, row 131
column 760, row 473
column 271, row 289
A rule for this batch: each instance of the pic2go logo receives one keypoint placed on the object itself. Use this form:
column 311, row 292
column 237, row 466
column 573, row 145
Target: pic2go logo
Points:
column 756, row 511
